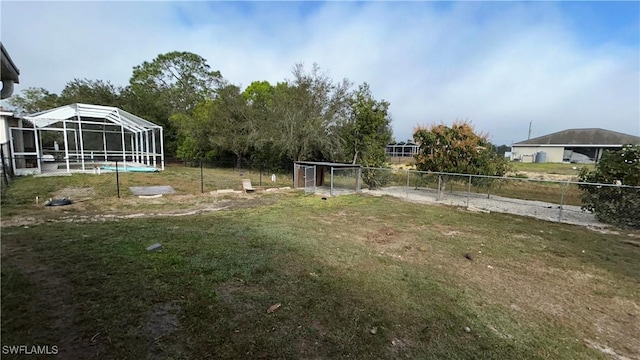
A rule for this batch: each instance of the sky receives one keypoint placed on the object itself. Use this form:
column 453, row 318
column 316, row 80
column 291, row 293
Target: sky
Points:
column 500, row 65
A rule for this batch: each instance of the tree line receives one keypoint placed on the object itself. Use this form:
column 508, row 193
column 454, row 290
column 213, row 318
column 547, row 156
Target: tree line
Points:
column 205, row 116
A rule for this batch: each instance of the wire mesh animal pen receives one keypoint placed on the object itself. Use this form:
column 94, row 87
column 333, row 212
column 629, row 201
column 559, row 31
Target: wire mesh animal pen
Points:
column 328, row 178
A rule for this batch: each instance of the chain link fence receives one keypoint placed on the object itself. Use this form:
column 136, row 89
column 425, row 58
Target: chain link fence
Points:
column 186, row 176
column 344, row 181
column 561, row 201
column 260, row 174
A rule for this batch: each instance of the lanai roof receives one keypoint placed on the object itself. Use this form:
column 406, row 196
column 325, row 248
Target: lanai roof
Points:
column 111, row 114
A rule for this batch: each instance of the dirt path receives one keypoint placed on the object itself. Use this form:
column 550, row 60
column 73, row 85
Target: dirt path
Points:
column 545, row 211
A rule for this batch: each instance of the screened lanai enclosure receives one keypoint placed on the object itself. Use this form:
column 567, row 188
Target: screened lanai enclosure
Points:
column 81, row 137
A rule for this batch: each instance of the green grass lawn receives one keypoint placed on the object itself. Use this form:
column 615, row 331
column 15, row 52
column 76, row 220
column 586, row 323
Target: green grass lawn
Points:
column 341, row 269
column 540, row 168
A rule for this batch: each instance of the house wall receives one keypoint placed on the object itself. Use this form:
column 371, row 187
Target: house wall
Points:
column 7, row 122
column 527, row 153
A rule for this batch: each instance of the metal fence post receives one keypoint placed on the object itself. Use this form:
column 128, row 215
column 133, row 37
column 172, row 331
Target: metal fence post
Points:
column 331, row 189
column 201, row 178
column 439, row 186
column 295, row 175
column 564, row 187
column 407, row 188
column 469, row 191
column 117, row 179
column 359, row 180
column 5, row 177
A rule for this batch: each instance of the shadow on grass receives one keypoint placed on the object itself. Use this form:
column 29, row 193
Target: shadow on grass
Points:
column 223, row 272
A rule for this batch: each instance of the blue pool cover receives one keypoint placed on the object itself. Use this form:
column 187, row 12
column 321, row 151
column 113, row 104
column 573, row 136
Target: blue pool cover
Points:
column 130, row 168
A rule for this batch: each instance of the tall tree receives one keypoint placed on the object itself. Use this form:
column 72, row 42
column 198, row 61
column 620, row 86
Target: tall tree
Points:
column 223, row 124
column 234, row 129
column 259, row 97
column 194, row 133
column 259, row 93
column 32, row 100
column 368, row 129
column 308, row 111
column 173, row 83
column 367, row 133
column 180, row 79
column 96, row 92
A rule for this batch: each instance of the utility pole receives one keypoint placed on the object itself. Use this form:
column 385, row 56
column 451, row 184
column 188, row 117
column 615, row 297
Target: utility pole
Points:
column 529, row 136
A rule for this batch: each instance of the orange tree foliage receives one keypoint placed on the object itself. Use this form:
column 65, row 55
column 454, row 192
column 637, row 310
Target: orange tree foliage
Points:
column 456, row 149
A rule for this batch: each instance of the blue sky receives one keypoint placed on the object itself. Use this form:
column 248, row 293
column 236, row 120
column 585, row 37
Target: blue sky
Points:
column 500, row 65
column 598, row 22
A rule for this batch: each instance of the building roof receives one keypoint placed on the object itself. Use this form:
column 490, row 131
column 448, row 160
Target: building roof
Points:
column 9, row 73
column 402, row 143
column 583, row 137
column 9, row 69
column 72, row 112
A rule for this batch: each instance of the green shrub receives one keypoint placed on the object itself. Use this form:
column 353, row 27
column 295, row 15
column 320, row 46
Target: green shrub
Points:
column 376, row 178
column 618, row 205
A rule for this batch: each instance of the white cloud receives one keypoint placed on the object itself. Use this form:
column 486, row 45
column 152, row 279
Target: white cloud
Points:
column 499, row 65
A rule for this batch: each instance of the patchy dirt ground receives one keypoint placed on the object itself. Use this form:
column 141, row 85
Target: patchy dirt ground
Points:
column 608, row 321
column 86, row 209
column 77, row 193
column 162, row 322
column 543, row 176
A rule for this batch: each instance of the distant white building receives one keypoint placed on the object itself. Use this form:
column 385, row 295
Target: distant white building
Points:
column 402, row 149
column 571, row 146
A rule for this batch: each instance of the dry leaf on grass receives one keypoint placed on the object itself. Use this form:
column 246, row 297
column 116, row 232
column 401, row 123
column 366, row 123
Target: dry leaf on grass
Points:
column 273, row 308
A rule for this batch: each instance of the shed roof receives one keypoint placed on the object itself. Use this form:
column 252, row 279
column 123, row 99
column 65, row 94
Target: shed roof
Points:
column 583, row 137
column 325, row 163
column 72, row 112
